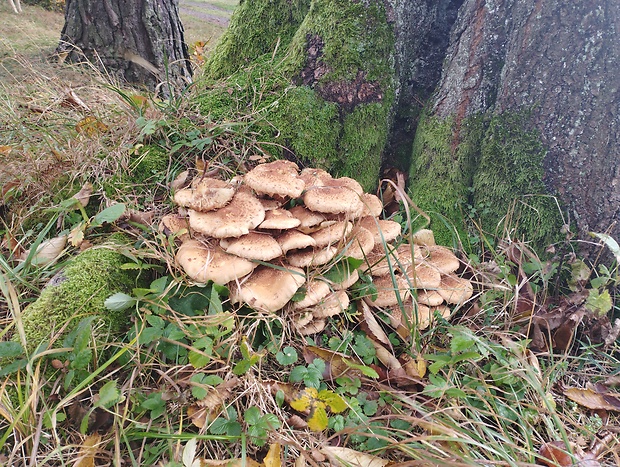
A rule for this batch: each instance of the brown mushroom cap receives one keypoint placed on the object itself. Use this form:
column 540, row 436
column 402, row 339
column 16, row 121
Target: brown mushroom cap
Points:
column 205, row 263
column 302, row 318
column 205, row 194
column 270, row 204
column 316, row 290
column 424, row 237
column 331, row 233
column 443, row 259
column 377, row 262
column 423, row 276
column 311, row 256
column 307, row 218
column 404, row 254
column 314, row 177
column 347, row 281
column 172, row 224
column 382, row 230
column 294, row 240
column 314, row 327
column 454, row 289
column 243, row 213
column 339, row 195
column 268, row 288
column 331, row 305
column 277, row 178
column 360, row 243
column 387, row 294
column 257, row 246
column 371, row 205
column 279, row 219
column 429, row 298
column 426, row 315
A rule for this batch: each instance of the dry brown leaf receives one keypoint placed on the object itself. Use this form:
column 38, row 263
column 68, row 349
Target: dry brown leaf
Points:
column 83, row 196
column 230, row 463
column 273, row 457
column 8, row 189
column 374, row 329
column 289, row 390
column 5, row 150
column 349, row 457
column 48, row 251
column 88, row 451
column 386, row 357
column 594, row 400
column 91, row 126
column 206, row 410
column 335, row 363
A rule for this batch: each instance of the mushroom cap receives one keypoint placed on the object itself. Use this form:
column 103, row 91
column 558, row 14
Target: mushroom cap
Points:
column 382, row 230
column 377, row 261
column 279, row 219
column 314, row 177
column 270, row 204
column 331, row 305
column 257, row 246
column 311, row 256
column 331, row 233
column 423, row 276
column 429, row 298
column 293, row 239
column 454, row 289
column 314, row 327
column 443, row 259
column 404, row 254
column 316, row 290
column 277, row 178
column 172, row 224
column 387, row 294
column 205, row 263
column 360, row 243
column 302, row 318
column 307, row 218
column 339, row 195
column 205, row 194
column 243, row 213
column 424, row 237
column 268, row 288
column 426, row 315
column 371, row 205
column 347, row 281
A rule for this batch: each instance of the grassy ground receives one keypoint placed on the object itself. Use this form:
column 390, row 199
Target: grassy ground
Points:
column 197, row 379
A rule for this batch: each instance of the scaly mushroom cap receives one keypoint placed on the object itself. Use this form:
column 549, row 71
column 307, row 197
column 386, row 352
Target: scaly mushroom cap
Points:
column 429, row 298
column 205, row 194
column 426, row 315
column 257, row 246
column 243, row 213
column 172, row 224
column 371, row 206
column 313, row 327
column 360, row 243
column 387, row 294
column 277, row 178
column 423, row 276
column 294, row 240
column 302, row 318
column 308, row 219
column 331, row 233
column 270, row 204
column 404, row 254
column 334, row 304
column 382, row 230
column 316, row 290
column 311, row 256
column 314, row 177
column 424, row 237
column 279, row 219
column 268, row 288
column 376, row 262
column 443, row 259
column 205, row 263
column 454, row 289
column 339, row 195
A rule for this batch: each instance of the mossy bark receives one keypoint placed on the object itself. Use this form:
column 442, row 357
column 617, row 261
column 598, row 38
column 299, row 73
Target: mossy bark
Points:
column 324, row 95
column 78, row 291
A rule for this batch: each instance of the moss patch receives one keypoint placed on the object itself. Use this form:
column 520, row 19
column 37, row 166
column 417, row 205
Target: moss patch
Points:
column 77, row 291
column 326, row 99
column 490, row 169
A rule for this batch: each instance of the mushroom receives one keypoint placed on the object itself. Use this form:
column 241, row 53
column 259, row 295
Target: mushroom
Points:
column 377, row 261
column 371, row 205
column 443, row 259
column 331, row 305
column 175, row 224
column 243, row 213
column 424, row 237
column 314, row 177
column 455, row 290
column 277, row 178
column 279, row 219
column 311, row 256
column 205, row 194
column 338, row 195
column 316, row 290
column 313, row 327
column 205, row 263
column 332, row 233
column 429, row 298
column 294, row 240
column 257, row 246
column 387, row 293
column 360, row 243
column 268, row 288
column 309, row 220
column 423, row 276
column 383, row 231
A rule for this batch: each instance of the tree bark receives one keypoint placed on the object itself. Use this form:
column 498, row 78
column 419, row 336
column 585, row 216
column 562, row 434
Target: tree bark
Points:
column 139, row 41
column 503, row 111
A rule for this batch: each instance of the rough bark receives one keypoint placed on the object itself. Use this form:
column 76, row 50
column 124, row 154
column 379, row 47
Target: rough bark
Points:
column 139, row 41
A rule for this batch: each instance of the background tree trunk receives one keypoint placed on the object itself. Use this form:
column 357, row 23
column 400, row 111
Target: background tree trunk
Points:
column 505, row 111
column 139, row 41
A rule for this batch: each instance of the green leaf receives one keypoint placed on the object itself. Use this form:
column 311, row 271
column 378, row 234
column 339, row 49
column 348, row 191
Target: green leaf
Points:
column 252, row 415
column 287, row 356
column 610, row 242
column 158, row 286
column 280, row 398
column 155, row 404
column 461, row 341
column 198, row 359
column 215, row 302
column 109, row 395
column 219, row 426
column 10, row 349
column 119, row 301
column 109, row 215
column 599, row 303
column 199, row 391
column 297, row 374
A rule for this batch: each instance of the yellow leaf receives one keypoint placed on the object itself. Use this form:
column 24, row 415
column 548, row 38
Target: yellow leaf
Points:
column 318, row 420
column 76, row 236
column 90, row 126
column 273, row 458
column 88, row 451
column 335, row 403
column 305, row 401
column 348, row 457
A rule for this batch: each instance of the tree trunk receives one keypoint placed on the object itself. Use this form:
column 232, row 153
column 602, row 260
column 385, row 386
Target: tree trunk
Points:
column 505, row 111
column 139, row 41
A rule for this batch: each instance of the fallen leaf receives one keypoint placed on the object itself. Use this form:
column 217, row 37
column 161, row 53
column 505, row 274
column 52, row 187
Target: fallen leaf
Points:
column 83, row 196
column 247, row 462
column 373, row 328
column 315, row 403
column 349, row 457
column 593, row 399
column 91, row 126
column 48, row 251
column 206, row 410
column 5, row 150
column 336, row 364
column 273, row 458
column 88, row 451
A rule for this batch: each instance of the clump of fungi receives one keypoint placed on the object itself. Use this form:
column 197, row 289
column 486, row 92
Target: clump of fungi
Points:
column 272, row 235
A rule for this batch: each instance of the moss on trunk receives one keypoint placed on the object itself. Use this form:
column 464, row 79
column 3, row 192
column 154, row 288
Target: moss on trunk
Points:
column 489, row 169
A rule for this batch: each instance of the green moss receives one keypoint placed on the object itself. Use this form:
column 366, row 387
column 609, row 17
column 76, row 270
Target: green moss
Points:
column 257, row 27
column 77, row 291
column 489, row 168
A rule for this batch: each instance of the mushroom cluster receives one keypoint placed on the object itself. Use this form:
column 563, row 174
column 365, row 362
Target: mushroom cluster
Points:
column 272, row 235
